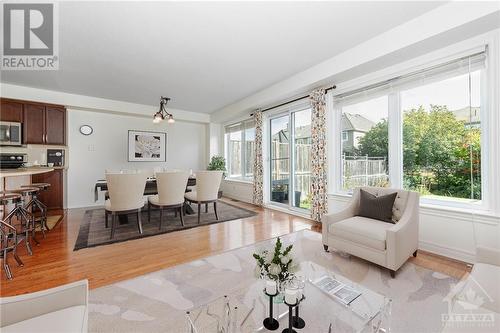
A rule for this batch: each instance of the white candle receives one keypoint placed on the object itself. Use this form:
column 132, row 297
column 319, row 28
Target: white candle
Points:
column 291, row 296
column 271, row 287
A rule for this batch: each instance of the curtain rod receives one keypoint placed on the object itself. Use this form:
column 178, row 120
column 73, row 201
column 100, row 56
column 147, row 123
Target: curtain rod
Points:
column 293, row 100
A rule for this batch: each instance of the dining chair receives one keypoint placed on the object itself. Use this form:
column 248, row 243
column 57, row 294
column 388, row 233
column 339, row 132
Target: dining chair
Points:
column 126, row 192
column 207, row 190
column 171, row 187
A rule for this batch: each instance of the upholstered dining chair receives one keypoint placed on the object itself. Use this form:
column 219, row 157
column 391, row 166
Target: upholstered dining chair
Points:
column 171, row 188
column 126, row 191
column 207, row 190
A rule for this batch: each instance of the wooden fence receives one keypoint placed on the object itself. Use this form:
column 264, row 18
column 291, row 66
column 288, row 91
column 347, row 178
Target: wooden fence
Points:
column 364, row 171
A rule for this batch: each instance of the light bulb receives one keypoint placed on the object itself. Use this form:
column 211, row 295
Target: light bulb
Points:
column 171, row 119
column 157, row 118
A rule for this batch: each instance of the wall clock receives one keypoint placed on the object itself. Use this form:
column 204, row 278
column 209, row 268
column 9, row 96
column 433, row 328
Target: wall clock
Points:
column 86, row 129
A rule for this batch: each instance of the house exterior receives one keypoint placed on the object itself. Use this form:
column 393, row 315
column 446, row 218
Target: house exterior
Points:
column 354, row 127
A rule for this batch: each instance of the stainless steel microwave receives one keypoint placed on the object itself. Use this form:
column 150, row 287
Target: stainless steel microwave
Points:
column 10, row 134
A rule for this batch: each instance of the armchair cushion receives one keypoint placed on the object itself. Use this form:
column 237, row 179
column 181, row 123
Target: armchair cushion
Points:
column 362, row 230
column 376, row 207
column 67, row 320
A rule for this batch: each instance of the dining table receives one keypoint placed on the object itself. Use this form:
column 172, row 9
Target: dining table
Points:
column 151, row 188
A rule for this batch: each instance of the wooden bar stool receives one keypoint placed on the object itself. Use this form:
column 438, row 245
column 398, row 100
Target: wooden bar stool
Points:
column 8, row 233
column 24, row 214
column 35, row 203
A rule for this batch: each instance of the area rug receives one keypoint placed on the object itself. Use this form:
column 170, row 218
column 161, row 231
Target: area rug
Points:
column 94, row 233
column 52, row 221
column 158, row 302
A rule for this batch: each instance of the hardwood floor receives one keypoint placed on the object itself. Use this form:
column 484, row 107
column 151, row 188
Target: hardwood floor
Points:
column 54, row 262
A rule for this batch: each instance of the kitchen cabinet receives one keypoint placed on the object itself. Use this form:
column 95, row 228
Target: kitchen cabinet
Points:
column 11, row 111
column 44, row 124
column 55, row 125
column 53, row 197
column 34, row 124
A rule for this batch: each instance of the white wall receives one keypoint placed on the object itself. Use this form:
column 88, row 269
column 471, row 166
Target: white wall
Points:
column 106, row 148
column 238, row 190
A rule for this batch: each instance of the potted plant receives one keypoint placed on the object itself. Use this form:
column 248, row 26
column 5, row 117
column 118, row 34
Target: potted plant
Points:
column 278, row 193
column 276, row 264
column 218, row 163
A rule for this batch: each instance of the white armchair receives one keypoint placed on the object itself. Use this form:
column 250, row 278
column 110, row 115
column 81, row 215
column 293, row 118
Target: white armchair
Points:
column 386, row 244
column 60, row 309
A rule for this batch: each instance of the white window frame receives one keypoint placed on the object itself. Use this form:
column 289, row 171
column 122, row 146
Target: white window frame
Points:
column 395, row 149
column 243, row 177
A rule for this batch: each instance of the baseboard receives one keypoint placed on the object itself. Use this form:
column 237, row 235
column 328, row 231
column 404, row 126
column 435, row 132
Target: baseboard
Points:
column 453, row 253
column 288, row 211
column 236, row 197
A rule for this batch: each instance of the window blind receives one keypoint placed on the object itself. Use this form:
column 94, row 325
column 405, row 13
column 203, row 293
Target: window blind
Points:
column 427, row 75
column 240, row 126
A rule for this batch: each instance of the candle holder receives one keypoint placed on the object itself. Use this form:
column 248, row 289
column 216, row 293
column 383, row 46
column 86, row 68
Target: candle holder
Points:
column 290, row 318
column 298, row 322
column 270, row 323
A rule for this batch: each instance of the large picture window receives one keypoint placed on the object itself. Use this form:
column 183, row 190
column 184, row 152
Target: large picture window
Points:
column 240, row 150
column 421, row 132
column 442, row 138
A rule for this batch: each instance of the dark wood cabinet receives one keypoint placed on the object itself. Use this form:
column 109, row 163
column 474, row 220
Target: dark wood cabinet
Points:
column 43, row 123
column 53, row 197
column 55, row 125
column 11, row 111
column 34, row 124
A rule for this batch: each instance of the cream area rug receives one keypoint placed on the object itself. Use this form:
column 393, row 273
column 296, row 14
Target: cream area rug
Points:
column 157, row 302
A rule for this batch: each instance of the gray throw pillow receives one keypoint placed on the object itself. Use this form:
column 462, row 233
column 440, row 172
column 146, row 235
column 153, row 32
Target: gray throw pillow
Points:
column 378, row 208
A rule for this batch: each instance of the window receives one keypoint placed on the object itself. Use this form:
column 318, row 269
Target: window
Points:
column 365, row 151
column 240, row 150
column 421, row 131
column 442, row 138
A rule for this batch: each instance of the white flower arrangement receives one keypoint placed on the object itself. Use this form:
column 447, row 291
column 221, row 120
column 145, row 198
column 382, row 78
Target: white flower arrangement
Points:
column 276, row 264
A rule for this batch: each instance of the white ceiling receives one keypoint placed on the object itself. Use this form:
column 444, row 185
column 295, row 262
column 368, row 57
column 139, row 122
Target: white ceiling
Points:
column 203, row 55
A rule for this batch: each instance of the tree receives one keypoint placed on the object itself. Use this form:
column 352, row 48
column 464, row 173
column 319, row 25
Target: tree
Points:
column 439, row 152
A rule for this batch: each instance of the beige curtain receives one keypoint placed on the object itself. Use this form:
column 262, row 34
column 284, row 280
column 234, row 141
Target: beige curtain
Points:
column 258, row 170
column 319, row 170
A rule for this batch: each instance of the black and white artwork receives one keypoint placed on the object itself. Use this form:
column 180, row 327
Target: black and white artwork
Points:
column 147, row 146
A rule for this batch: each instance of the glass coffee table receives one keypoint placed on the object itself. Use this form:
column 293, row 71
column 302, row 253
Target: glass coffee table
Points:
column 245, row 310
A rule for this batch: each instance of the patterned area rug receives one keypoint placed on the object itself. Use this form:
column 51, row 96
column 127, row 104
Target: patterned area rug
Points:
column 94, row 233
column 157, row 302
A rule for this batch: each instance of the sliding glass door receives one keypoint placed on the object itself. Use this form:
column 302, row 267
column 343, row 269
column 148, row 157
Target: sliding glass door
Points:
column 280, row 159
column 290, row 158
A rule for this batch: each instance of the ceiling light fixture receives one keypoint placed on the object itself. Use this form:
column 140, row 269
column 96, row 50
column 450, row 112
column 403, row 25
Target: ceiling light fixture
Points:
column 163, row 113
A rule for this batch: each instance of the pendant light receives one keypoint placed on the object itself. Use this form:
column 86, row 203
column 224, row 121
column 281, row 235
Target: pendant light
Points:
column 163, row 113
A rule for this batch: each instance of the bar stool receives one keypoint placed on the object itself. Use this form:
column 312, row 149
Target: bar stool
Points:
column 36, row 203
column 21, row 211
column 8, row 234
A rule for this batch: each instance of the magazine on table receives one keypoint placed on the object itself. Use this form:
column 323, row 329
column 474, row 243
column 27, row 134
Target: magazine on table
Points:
column 336, row 289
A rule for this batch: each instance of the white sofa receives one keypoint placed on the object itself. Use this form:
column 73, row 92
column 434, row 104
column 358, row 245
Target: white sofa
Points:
column 474, row 303
column 60, row 309
column 386, row 244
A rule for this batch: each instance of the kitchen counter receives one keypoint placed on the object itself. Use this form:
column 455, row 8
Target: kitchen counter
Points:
column 26, row 171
